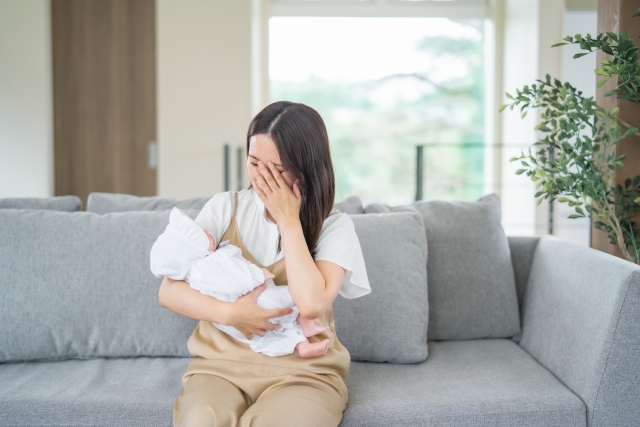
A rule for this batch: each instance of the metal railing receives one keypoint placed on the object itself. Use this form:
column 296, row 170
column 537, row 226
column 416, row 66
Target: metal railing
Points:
column 421, row 155
column 237, row 184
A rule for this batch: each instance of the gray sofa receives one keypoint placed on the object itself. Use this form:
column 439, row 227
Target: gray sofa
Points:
column 464, row 327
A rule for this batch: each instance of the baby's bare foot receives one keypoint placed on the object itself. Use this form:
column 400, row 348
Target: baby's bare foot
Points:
column 268, row 275
column 307, row 349
column 310, row 327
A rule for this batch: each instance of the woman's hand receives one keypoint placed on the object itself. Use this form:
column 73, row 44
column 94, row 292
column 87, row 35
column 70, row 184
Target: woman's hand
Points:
column 282, row 202
column 244, row 314
column 249, row 318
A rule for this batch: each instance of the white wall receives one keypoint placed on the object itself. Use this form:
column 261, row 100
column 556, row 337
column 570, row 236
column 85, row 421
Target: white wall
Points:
column 26, row 123
column 530, row 28
column 204, row 90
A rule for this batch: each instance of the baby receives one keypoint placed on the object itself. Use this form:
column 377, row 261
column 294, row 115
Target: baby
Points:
column 187, row 252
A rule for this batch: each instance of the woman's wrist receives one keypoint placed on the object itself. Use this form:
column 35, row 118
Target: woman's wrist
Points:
column 226, row 313
column 288, row 225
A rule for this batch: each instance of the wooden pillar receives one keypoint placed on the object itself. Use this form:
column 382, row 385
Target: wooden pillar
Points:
column 616, row 16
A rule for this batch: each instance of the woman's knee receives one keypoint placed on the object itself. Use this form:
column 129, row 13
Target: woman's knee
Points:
column 209, row 401
column 295, row 406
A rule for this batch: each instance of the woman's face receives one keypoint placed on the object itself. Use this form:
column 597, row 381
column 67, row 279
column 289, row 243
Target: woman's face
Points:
column 262, row 148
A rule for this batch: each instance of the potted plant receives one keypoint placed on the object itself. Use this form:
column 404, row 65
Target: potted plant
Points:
column 575, row 160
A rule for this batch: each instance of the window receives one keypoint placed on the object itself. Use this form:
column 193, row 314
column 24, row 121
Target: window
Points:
column 385, row 85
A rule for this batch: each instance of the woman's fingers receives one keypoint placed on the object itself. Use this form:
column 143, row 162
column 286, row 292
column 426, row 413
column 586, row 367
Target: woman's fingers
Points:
column 277, row 176
column 259, row 192
column 262, row 184
column 268, row 176
column 255, row 293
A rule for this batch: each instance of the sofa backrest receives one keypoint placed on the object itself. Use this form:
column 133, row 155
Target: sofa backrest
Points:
column 58, row 203
column 472, row 292
column 103, row 203
column 78, row 285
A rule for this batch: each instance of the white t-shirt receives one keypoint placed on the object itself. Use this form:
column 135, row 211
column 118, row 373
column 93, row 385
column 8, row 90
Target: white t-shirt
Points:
column 338, row 242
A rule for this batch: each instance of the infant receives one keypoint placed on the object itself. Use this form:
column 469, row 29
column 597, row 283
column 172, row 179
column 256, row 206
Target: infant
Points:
column 184, row 251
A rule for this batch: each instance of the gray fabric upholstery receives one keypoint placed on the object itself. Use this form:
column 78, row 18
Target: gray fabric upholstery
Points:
column 376, row 208
column 98, row 392
column 78, row 285
column 351, row 205
column 472, row 291
column 581, row 316
column 58, row 203
column 110, row 202
column 389, row 324
column 465, row 383
column 489, row 382
column 522, row 250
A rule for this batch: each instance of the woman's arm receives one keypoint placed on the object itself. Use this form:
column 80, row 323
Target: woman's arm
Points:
column 245, row 314
column 313, row 285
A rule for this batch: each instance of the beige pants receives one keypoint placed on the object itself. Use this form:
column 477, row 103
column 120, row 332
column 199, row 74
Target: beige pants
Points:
column 291, row 401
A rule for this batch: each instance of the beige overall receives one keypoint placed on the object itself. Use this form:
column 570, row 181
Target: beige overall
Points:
column 228, row 384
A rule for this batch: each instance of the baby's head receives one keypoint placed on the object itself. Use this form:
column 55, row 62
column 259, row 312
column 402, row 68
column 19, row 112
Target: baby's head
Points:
column 182, row 242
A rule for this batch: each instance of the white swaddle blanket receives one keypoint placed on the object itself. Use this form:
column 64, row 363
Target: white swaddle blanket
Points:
column 181, row 253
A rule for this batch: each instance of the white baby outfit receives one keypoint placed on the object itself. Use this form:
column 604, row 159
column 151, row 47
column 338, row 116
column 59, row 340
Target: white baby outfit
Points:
column 181, row 253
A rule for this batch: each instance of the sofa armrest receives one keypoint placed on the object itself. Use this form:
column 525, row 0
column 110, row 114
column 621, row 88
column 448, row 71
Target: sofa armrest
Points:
column 522, row 249
column 581, row 320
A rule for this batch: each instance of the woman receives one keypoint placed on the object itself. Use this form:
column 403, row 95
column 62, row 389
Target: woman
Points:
column 287, row 224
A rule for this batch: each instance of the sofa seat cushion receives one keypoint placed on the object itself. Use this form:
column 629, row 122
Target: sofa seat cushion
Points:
column 491, row 382
column 488, row 382
column 97, row 392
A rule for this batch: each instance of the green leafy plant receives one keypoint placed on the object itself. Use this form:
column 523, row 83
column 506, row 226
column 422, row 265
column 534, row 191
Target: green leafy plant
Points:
column 575, row 160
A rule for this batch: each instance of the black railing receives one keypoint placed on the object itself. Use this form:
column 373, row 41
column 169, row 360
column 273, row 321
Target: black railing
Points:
column 240, row 159
column 421, row 155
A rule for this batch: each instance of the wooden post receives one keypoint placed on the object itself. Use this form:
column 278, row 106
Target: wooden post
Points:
column 616, row 16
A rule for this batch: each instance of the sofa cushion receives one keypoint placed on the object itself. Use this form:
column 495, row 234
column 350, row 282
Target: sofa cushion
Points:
column 78, row 285
column 110, row 202
column 98, row 392
column 464, row 383
column 351, row 205
column 58, row 203
column 472, row 292
column 390, row 324
column 489, row 382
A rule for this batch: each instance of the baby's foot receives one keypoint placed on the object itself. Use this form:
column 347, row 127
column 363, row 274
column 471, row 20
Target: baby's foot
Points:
column 307, row 349
column 310, row 327
column 268, row 275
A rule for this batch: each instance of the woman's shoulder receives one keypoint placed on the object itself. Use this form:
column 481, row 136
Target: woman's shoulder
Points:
column 337, row 230
column 336, row 221
column 216, row 214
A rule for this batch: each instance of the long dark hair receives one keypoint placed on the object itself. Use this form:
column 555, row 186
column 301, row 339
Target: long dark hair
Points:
column 301, row 138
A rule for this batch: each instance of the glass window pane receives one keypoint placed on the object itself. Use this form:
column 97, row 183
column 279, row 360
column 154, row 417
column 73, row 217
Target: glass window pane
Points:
column 384, row 86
